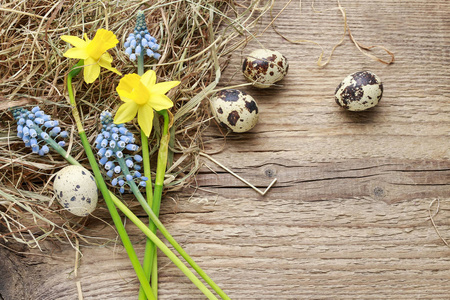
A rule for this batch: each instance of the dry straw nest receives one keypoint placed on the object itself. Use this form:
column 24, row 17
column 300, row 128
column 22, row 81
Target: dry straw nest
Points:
column 196, row 39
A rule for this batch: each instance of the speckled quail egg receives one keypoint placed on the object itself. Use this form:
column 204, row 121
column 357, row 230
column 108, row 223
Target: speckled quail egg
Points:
column 76, row 190
column 264, row 67
column 235, row 110
column 359, row 91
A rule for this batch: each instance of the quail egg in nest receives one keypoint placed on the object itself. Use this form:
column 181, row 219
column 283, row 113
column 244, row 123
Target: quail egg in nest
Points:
column 76, row 190
column 235, row 109
column 264, row 67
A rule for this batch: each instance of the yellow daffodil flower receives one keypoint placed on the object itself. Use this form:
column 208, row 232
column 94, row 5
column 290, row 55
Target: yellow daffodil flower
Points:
column 142, row 95
column 92, row 52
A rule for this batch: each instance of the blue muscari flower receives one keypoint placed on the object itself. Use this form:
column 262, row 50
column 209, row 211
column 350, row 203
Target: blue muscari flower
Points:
column 26, row 130
column 35, row 149
column 131, row 147
column 35, row 128
column 101, row 152
column 109, row 165
column 114, row 143
column 108, row 152
column 103, row 160
column 129, row 163
column 140, row 42
column 33, row 133
column 125, row 138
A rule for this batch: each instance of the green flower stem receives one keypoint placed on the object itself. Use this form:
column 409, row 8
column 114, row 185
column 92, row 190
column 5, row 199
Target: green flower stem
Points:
column 166, row 233
column 149, row 245
column 159, row 181
column 104, row 189
column 171, row 146
column 141, row 64
column 162, row 163
column 154, row 279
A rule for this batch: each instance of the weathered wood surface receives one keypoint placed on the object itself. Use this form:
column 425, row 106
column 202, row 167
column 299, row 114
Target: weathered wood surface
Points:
column 349, row 215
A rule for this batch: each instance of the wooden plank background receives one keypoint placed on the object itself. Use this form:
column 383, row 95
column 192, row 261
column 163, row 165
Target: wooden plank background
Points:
column 349, row 215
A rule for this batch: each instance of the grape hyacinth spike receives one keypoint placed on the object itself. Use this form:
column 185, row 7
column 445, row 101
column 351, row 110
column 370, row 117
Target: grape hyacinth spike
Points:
column 115, row 147
column 37, row 130
column 140, row 42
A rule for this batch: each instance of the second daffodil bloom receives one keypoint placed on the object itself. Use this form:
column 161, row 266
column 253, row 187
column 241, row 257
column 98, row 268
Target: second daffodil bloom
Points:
column 93, row 52
column 142, row 95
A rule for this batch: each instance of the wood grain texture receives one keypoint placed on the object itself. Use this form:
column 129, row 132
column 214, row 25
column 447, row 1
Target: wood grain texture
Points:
column 349, row 215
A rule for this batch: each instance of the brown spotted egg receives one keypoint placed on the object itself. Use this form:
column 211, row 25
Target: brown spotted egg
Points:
column 359, row 91
column 235, row 109
column 264, row 67
column 76, row 190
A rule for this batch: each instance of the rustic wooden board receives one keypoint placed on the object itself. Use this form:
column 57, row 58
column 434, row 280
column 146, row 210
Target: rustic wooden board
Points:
column 349, row 215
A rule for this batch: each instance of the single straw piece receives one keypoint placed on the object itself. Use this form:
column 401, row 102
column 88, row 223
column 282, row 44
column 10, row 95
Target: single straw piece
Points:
column 239, row 177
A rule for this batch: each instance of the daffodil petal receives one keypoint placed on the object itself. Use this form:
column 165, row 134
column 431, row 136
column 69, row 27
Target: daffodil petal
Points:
column 149, row 78
column 91, row 70
column 111, row 69
column 102, row 41
column 75, row 41
column 160, row 102
column 106, row 63
column 125, row 99
column 145, row 118
column 79, row 53
column 163, row 87
column 126, row 112
column 106, row 57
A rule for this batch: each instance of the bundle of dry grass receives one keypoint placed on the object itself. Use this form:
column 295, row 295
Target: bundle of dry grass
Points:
column 196, row 37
